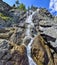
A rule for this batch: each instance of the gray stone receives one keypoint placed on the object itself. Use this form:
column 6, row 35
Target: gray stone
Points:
column 9, row 63
column 26, row 40
column 7, row 57
column 1, row 54
column 18, row 36
column 1, row 63
column 4, row 6
column 4, row 44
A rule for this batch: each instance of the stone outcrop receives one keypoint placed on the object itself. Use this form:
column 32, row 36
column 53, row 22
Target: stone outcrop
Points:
column 42, row 53
column 11, row 54
column 4, row 6
column 46, row 24
column 13, row 32
column 44, row 47
column 17, row 36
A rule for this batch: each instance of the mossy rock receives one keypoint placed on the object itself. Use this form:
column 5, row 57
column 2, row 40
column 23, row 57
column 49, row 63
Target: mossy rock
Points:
column 4, row 17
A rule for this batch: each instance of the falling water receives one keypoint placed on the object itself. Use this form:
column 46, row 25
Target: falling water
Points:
column 28, row 34
column 31, row 61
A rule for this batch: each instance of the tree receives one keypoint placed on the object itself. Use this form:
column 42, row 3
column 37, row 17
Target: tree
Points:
column 33, row 7
column 17, row 3
column 22, row 6
column 28, row 8
column 13, row 5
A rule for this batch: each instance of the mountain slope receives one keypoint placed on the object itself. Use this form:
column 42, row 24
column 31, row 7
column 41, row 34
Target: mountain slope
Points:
column 4, row 6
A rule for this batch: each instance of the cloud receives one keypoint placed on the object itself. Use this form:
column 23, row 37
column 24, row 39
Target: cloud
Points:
column 53, row 5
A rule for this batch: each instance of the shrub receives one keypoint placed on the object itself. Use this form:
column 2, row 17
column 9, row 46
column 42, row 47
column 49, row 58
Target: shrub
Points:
column 22, row 7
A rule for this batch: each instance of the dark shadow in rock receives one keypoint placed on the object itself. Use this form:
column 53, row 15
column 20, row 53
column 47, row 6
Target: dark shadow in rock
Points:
column 48, row 38
column 46, row 59
column 54, row 48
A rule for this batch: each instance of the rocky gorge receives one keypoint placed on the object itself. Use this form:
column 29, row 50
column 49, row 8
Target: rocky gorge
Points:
column 27, row 38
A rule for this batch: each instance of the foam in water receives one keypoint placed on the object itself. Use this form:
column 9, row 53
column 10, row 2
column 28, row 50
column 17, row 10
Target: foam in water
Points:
column 31, row 62
column 28, row 34
column 30, row 24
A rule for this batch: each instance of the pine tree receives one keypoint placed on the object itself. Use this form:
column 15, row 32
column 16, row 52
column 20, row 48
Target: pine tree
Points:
column 22, row 7
column 17, row 3
column 13, row 5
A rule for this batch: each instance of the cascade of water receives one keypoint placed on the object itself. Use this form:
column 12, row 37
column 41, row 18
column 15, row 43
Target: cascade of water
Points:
column 28, row 34
column 31, row 62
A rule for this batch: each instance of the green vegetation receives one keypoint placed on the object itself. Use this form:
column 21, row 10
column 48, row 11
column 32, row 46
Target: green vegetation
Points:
column 17, row 3
column 33, row 8
column 4, row 17
column 21, row 7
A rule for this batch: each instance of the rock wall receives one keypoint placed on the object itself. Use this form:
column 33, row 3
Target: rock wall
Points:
column 4, row 6
column 10, row 52
column 42, row 53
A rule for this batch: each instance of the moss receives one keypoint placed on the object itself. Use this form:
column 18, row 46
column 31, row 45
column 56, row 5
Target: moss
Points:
column 4, row 17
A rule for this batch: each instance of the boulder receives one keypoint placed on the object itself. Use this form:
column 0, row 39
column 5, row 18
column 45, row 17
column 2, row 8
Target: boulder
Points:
column 26, row 40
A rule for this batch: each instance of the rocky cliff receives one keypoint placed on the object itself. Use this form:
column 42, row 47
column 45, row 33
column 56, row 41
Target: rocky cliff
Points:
column 4, row 6
column 27, row 38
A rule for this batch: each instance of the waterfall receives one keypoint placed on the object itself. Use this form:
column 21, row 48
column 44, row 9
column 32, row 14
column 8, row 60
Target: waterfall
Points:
column 31, row 61
column 28, row 34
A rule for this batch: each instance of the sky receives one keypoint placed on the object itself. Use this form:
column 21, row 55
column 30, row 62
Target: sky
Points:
column 38, row 3
column 51, row 5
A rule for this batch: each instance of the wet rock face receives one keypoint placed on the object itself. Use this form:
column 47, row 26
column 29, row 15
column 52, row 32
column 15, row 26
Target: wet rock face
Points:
column 12, row 52
column 38, row 53
column 42, row 53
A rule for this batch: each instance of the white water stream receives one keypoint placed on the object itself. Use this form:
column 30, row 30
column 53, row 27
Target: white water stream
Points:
column 28, row 34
